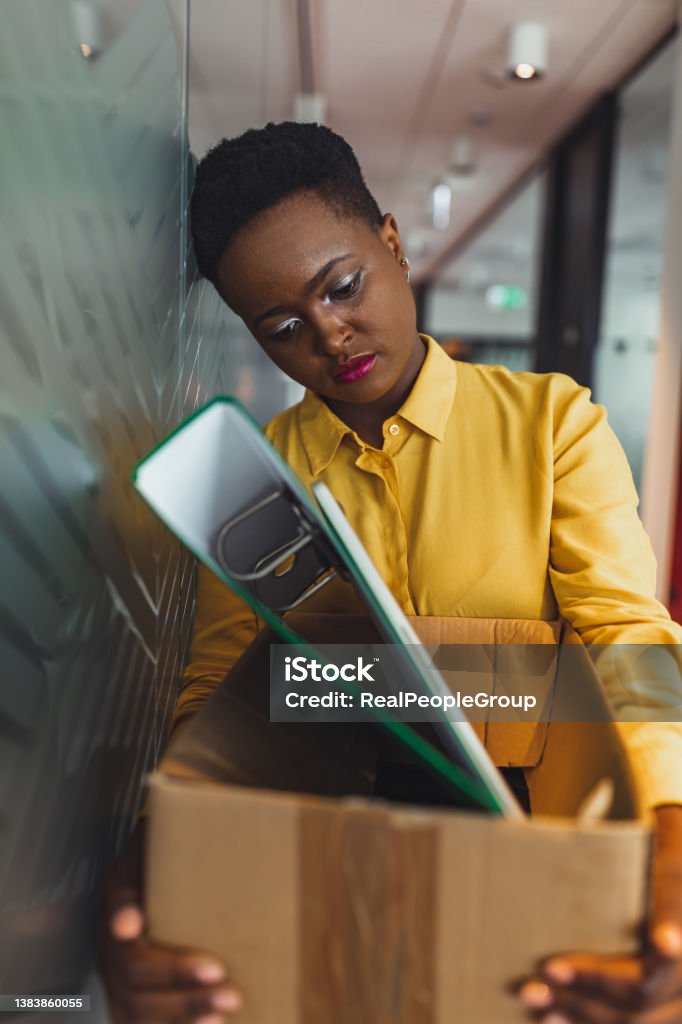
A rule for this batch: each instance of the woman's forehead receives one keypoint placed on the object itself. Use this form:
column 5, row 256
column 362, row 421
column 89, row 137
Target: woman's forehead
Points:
column 298, row 221
column 289, row 243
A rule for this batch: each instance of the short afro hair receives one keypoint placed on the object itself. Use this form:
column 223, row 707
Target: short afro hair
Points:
column 241, row 177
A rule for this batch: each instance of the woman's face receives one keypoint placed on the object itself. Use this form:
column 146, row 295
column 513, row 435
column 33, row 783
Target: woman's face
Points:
column 327, row 299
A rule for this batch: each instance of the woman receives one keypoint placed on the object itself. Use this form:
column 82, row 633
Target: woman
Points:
column 477, row 492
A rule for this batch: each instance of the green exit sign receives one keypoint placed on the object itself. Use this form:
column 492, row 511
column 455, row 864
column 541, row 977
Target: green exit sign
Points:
column 503, row 296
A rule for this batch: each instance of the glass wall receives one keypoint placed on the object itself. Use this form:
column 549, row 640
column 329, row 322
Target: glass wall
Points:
column 106, row 341
column 624, row 358
column 483, row 305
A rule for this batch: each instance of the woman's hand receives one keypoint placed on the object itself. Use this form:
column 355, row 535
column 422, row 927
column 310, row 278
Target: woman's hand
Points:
column 583, row 988
column 148, row 983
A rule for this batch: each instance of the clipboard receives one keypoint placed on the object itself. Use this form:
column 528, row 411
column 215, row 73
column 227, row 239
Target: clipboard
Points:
column 231, row 498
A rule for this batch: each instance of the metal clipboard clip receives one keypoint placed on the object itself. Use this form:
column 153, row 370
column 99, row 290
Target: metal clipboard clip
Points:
column 277, row 551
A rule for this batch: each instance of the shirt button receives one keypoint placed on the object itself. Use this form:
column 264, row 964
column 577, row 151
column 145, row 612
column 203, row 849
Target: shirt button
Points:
column 394, row 429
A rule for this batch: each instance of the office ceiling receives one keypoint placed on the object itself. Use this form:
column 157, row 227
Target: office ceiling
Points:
column 506, row 249
column 402, row 78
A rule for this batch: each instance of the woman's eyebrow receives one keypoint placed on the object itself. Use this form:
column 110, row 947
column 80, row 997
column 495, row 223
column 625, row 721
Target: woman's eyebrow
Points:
column 322, row 273
column 307, row 288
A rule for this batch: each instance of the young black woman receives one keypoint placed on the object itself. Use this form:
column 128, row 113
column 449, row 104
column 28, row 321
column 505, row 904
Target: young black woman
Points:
column 477, row 492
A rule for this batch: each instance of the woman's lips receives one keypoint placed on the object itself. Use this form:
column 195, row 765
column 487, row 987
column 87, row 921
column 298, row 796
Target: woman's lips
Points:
column 356, row 368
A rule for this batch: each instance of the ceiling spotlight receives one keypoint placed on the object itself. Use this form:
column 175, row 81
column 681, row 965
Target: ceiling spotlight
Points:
column 527, row 56
column 310, row 107
column 87, row 23
column 463, row 155
column 441, row 199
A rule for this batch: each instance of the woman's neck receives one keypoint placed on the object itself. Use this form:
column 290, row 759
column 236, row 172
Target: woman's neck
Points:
column 367, row 419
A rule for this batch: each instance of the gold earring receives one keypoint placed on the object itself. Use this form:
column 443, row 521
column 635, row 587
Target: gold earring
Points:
column 404, row 262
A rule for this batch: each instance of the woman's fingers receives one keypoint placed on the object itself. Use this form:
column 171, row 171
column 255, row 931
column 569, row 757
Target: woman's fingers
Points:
column 184, row 1006
column 127, row 922
column 146, row 966
column 583, row 989
column 665, row 918
column 122, row 900
column 647, row 989
column 147, row 983
column 615, row 979
column 123, row 909
column 570, row 1008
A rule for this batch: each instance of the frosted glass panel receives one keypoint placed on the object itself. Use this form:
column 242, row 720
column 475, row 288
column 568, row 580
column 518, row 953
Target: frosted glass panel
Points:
column 94, row 596
column 106, row 341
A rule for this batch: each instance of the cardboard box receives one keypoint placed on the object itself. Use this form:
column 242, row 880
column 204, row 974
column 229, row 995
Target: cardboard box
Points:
column 333, row 909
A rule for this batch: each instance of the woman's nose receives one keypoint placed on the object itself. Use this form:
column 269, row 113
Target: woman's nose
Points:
column 333, row 336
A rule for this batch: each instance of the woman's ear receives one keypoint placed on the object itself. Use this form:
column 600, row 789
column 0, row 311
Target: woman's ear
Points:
column 388, row 232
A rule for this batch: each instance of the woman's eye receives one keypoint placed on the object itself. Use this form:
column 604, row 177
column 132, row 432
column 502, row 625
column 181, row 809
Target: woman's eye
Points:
column 347, row 287
column 286, row 330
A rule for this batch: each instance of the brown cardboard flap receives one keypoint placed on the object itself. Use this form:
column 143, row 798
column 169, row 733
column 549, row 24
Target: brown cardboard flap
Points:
column 438, row 629
column 577, row 756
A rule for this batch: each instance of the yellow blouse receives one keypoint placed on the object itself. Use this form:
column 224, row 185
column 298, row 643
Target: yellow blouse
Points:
column 496, row 494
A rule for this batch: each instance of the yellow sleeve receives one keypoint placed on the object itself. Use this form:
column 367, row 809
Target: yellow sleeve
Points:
column 603, row 572
column 224, row 626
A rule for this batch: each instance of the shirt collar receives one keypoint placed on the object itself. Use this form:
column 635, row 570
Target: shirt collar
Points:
column 427, row 407
column 429, row 403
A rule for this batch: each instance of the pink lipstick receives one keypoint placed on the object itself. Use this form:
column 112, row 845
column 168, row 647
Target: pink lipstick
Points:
column 356, row 368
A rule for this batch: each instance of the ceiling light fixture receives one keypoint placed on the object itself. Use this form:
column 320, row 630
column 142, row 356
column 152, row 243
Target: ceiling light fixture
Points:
column 441, row 200
column 88, row 25
column 463, row 155
column 310, row 107
column 527, row 55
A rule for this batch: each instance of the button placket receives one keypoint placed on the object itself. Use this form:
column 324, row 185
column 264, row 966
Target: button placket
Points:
column 380, row 464
column 395, row 437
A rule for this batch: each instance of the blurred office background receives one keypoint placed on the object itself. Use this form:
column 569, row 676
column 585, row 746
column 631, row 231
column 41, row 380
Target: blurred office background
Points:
column 541, row 218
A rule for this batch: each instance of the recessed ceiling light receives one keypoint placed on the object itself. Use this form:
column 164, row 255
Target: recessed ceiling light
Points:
column 88, row 25
column 527, row 55
column 310, row 107
column 525, row 71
